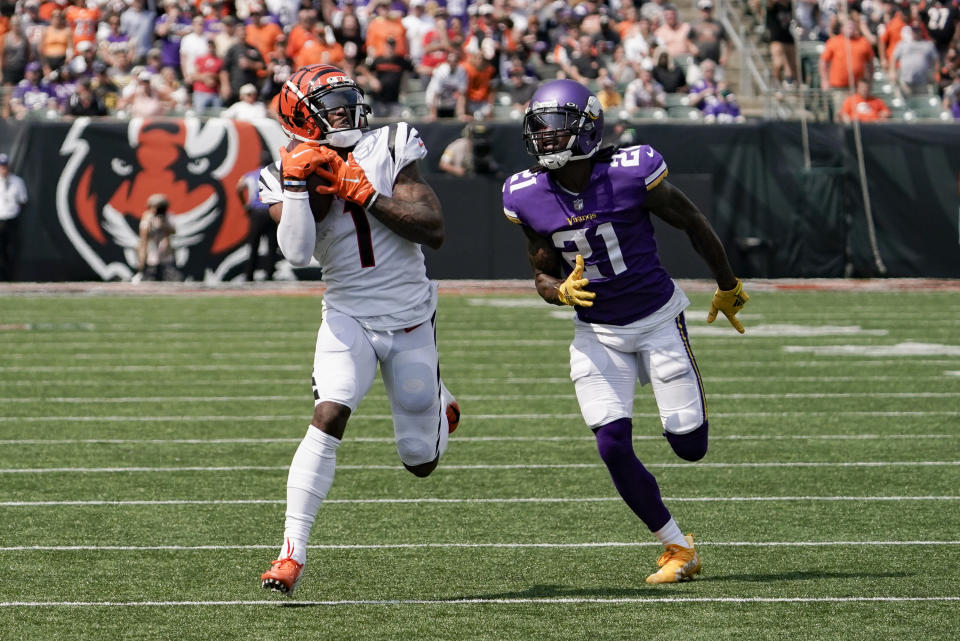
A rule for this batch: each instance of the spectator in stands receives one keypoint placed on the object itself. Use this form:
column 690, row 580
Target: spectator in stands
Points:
column 86, row 54
column 417, row 25
column 169, row 29
column 279, row 69
column 520, row 85
column 708, row 36
column 385, row 24
column 863, row 106
column 248, row 108
column 915, row 63
column 13, row 198
column 608, row 95
column 837, row 67
column 621, row 69
column 241, row 66
column 111, row 33
column 104, row 87
column 56, row 42
column 205, row 80
column 583, row 62
column 783, row 48
column 121, row 73
column 83, row 18
column 446, row 91
column 143, row 101
column 951, row 96
column 14, row 53
column 479, row 93
column 640, row 41
column 435, row 45
column 941, row 18
column 84, row 102
column 674, row 34
column 653, row 11
column 895, row 19
column 810, row 19
column 645, row 91
column 192, row 46
column 32, row 95
column 261, row 31
column 169, row 88
column 389, row 72
column 670, row 76
column 137, row 22
column 300, row 32
column 322, row 48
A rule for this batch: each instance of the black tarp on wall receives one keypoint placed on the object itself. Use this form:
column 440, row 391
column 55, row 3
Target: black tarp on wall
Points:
column 776, row 216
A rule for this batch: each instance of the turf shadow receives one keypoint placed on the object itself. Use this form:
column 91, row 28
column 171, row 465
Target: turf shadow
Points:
column 802, row 576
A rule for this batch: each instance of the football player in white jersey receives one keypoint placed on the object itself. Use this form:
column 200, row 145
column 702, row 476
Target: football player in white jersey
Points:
column 379, row 307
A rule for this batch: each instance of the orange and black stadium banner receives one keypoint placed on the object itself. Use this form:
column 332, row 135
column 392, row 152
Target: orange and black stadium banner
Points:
column 89, row 181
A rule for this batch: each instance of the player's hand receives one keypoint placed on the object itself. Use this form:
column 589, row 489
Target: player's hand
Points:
column 347, row 180
column 729, row 302
column 303, row 160
column 571, row 291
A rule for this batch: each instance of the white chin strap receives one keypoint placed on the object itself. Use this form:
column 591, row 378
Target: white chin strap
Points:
column 343, row 139
column 561, row 158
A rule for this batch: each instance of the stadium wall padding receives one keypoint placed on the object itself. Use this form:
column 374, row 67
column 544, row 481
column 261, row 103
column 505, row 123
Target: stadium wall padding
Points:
column 88, row 180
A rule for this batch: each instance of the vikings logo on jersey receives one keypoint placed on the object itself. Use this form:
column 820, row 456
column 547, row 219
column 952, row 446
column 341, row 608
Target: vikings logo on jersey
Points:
column 104, row 187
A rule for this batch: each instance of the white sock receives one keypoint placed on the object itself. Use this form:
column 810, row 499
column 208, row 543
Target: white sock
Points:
column 670, row 534
column 309, row 480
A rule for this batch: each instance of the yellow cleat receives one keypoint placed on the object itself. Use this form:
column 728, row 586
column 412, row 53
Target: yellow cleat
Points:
column 677, row 564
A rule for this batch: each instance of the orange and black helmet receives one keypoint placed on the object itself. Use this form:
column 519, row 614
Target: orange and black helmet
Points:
column 310, row 94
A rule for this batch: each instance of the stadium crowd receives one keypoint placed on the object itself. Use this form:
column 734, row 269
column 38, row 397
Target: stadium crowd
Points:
column 465, row 59
column 425, row 59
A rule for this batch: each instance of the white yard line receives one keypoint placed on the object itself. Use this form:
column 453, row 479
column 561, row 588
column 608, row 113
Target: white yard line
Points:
column 466, row 365
column 241, row 418
column 465, row 501
column 473, row 439
column 416, row 546
column 463, row 397
column 491, row 601
column 519, row 466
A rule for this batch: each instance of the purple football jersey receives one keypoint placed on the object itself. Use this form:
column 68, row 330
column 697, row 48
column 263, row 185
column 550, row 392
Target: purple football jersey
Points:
column 609, row 224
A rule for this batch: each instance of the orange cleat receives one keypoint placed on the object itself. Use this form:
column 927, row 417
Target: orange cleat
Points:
column 282, row 576
column 453, row 415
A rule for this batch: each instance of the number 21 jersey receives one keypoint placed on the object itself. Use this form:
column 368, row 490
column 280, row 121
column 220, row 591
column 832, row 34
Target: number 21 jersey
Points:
column 607, row 223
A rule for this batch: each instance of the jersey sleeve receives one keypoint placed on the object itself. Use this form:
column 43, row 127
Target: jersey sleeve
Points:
column 271, row 191
column 641, row 162
column 407, row 146
column 512, row 205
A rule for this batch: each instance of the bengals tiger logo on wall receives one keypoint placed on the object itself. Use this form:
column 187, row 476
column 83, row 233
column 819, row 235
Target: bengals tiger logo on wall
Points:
column 103, row 190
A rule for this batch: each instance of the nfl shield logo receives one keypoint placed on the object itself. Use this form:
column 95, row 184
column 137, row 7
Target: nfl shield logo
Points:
column 578, row 204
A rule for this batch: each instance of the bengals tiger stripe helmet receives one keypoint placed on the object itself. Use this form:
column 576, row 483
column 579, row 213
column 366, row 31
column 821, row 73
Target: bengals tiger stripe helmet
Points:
column 310, row 94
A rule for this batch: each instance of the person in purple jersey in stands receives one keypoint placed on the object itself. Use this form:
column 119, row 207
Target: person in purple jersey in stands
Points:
column 586, row 214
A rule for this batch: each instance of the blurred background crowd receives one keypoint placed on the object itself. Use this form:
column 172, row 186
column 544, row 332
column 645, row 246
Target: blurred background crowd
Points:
column 477, row 60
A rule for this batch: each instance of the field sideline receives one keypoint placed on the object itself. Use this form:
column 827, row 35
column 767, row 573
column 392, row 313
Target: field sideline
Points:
column 145, row 433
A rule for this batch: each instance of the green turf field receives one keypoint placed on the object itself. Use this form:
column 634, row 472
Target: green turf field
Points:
column 144, row 442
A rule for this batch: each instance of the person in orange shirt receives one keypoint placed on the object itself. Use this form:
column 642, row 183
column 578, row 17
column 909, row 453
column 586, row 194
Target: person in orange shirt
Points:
column 863, row 106
column 386, row 24
column 300, row 32
column 890, row 33
column 57, row 39
column 261, row 31
column 843, row 53
column 479, row 93
column 318, row 50
column 83, row 18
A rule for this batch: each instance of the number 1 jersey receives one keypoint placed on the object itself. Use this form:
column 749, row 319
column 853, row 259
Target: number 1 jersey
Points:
column 608, row 224
column 369, row 270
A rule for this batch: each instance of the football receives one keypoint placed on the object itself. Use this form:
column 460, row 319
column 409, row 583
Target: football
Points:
column 319, row 203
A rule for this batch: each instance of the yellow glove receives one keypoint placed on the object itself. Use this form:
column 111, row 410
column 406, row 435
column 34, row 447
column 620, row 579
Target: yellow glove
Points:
column 729, row 302
column 571, row 291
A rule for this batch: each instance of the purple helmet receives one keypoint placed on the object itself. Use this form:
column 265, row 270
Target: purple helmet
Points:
column 558, row 108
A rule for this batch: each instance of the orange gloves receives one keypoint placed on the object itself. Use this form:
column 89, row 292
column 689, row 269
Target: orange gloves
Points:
column 302, row 161
column 347, row 180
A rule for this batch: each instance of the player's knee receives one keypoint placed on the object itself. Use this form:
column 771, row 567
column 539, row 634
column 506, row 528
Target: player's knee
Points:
column 614, row 441
column 691, row 446
column 417, row 452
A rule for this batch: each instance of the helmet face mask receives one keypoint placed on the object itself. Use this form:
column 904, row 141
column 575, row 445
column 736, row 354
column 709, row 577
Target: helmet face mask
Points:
column 316, row 97
column 564, row 122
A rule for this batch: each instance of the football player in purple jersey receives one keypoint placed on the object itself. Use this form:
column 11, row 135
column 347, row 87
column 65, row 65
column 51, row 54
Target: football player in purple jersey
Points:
column 586, row 214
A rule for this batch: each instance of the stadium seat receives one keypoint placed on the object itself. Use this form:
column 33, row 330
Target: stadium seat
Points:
column 649, row 113
column 676, row 99
column 683, row 112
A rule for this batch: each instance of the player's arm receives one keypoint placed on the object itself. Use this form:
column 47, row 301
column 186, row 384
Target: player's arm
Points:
column 546, row 261
column 673, row 206
column 413, row 212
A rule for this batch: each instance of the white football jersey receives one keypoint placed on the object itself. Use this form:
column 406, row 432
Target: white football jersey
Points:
column 370, row 271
